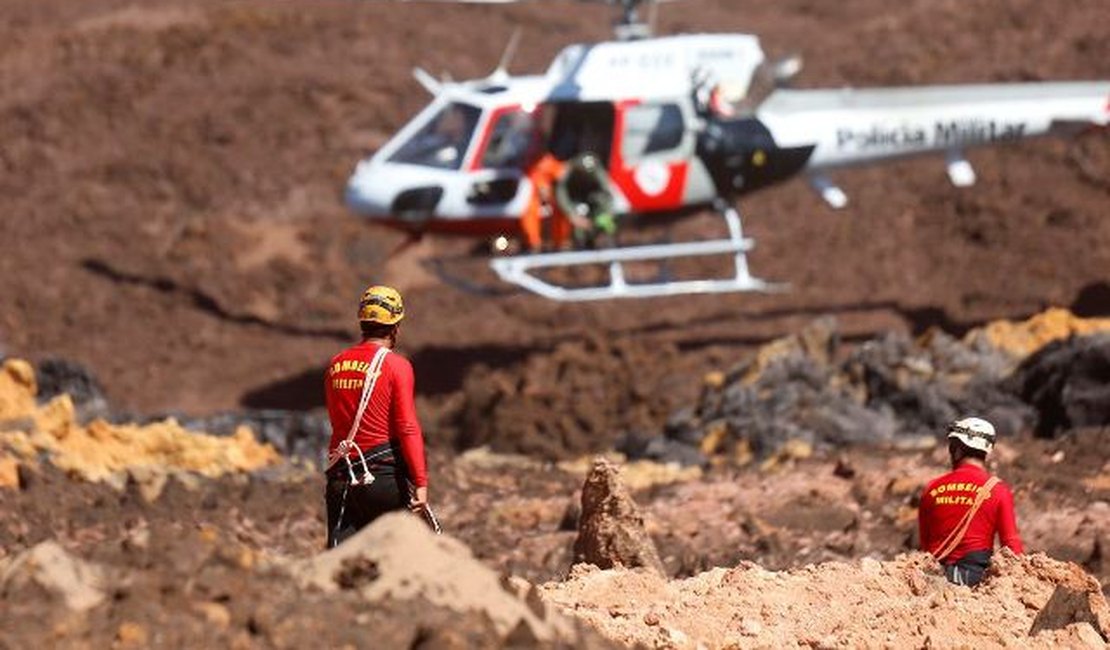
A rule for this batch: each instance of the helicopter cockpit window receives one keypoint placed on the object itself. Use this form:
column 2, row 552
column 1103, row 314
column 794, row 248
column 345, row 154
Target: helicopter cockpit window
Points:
column 443, row 140
column 651, row 129
column 510, row 141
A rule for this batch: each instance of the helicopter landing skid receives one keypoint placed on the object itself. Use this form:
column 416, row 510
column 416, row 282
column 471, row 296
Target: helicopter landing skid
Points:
column 519, row 269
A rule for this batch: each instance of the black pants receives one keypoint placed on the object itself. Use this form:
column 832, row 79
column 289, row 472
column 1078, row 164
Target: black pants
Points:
column 351, row 507
column 969, row 569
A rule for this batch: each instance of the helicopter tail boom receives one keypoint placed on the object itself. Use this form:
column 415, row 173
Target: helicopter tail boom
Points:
column 859, row 126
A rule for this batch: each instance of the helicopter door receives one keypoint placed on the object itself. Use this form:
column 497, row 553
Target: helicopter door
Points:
column 580, row 127
column 654, row 153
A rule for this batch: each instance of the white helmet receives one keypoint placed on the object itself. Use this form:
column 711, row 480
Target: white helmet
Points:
column 976, row 433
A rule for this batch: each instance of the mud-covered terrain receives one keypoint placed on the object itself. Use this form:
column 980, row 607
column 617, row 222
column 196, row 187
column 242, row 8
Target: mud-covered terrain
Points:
column 173, row 240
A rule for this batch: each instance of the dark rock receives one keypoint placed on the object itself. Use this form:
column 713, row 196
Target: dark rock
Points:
column 1068, row 382
column 57, row 376
column 643, row 446
column 301, row 434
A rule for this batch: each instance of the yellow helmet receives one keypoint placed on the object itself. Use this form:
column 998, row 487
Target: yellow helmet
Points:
column 382, row 305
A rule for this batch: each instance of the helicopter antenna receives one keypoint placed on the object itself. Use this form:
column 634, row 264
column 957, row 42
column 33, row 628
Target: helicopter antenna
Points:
column 501, row 73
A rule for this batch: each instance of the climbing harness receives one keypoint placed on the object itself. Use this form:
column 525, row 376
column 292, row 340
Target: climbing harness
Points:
column 957, row 535
column 343, row 449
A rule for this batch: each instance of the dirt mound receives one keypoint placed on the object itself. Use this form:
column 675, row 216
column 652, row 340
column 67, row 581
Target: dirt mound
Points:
column 398, row 558
column 101, row 451
column 905, row 602
column 571, row 402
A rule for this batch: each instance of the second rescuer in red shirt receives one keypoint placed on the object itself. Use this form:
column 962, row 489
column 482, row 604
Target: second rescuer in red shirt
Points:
column 962, row 511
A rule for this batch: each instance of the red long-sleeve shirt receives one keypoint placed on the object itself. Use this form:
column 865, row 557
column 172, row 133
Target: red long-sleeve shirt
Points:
column 390, row 414
column 947, row 499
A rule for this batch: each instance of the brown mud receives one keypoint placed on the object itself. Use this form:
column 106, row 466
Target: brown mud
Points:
column 172, row 177
column 171, row 218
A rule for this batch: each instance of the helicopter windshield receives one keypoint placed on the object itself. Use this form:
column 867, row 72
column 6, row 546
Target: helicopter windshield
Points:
column 443, row 140
column 513, row 137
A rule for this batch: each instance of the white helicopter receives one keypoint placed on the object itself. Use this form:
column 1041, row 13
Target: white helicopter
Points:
column 681, row 123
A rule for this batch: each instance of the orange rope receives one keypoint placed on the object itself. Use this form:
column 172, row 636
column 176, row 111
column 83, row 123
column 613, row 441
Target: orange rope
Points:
column 957, row 535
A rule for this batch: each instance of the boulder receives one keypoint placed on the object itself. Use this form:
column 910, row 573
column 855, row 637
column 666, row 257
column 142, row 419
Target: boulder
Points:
column 79, row 585
column 611, row 529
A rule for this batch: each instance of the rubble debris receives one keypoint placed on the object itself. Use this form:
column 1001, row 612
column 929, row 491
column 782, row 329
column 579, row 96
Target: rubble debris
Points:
column 611, row 529
column 800, row 392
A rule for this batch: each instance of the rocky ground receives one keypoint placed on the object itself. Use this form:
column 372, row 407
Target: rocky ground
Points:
column 141, row 535
column 222, row 560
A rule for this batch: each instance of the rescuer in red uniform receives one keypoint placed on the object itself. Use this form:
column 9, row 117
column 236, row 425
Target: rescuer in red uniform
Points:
column 376, row 452
column 962, row 511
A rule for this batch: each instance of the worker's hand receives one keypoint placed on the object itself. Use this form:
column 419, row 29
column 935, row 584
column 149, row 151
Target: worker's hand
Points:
column 419, row 500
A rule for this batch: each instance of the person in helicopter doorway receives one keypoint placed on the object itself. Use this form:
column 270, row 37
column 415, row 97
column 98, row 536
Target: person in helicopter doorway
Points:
column 582, row 194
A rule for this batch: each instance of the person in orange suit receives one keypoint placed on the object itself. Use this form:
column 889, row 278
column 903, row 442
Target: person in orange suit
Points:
column 543, row 173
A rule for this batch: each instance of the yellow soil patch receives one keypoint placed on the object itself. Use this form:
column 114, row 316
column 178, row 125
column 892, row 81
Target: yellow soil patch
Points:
column 100, row 450
column 1019, row 339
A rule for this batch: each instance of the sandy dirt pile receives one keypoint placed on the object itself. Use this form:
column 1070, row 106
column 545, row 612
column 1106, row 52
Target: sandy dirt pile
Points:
column 905, row 602
column 101, row 451
column 393, row 585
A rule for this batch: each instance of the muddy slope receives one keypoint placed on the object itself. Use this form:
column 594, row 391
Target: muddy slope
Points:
column 170, row 208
